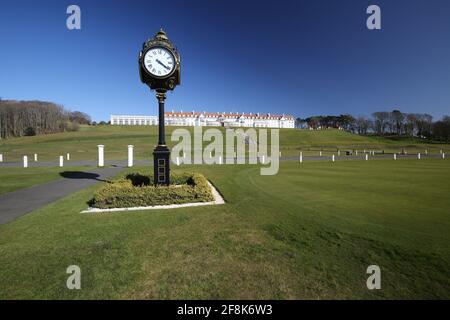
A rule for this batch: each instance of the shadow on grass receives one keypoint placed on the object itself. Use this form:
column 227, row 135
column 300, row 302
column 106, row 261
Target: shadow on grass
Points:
column 80, row 175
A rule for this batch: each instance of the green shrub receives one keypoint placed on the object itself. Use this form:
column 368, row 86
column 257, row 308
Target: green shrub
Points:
column 137, row 190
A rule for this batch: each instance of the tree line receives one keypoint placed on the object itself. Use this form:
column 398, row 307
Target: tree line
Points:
column 28, row 118
column 384, row 123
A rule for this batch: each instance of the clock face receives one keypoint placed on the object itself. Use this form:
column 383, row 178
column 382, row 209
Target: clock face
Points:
column 159, row 61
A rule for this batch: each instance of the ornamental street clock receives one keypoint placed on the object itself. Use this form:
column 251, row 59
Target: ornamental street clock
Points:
column 159, row 68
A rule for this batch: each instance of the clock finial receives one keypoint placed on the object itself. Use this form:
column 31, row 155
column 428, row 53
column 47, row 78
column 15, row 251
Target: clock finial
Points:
column 161, row 35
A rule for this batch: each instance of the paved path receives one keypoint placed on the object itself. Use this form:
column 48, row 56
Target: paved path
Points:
column 17, row 203
column 117, row 163
column 123, row 163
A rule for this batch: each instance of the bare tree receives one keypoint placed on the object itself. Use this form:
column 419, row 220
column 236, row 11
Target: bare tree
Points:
column 397, row 119
column 362, row 125
column 381, row 119
column 18, row 118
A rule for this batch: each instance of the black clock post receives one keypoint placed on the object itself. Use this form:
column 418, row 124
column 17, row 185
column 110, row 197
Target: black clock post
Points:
column 161, row 153
column 159, row 68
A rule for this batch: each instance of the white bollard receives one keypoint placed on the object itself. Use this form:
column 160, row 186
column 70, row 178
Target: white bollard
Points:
column 364, row 151
column 220, row 159
column 356, row 152
column 332, row 158
column 418, row 156
column 443, row 155
column 367, row 157
column 25, row 161
column 263, row 159
column 320, row 153
column 339, row 152
column 101, row 158
column 178, row 161
column 35, row 157
column 1, row 158
column 301, row 157
column 395, row 156
column 61, row 161
column 130, row 155
column 67, row 156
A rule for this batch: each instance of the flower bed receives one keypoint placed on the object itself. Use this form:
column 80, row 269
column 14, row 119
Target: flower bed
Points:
column 137, row 190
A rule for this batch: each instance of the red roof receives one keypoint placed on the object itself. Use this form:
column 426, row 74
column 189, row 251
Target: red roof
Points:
column 228, row 115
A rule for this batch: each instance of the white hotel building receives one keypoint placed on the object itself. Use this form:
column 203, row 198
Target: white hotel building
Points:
column 210, row 119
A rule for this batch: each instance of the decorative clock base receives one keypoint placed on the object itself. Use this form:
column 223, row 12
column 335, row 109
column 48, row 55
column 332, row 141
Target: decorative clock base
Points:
column 161, row 165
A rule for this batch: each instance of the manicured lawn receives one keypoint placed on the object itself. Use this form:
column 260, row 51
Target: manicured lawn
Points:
column 82, row 145
column 13, row 178
column 309, row 232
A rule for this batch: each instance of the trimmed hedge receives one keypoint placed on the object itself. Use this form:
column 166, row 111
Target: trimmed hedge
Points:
column 137, row 190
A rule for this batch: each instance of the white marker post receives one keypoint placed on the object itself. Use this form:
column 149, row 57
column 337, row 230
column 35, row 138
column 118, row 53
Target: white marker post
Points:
column 418, row 156
column 25, row 161
column 35, row 157
column 61, row 161
column 443, row 155
column 332, row 158
column 67, row 156
column 301, row 157
column 339, row 152
column 1, row 158
column 263, row 159
column 395, row 156
column 320, row 153
column 101, row 159
column 130, row 155
column 356, row 152
column 367, row 157
column 220, row 159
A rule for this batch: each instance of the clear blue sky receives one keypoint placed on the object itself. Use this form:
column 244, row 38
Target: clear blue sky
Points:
column 298, row 57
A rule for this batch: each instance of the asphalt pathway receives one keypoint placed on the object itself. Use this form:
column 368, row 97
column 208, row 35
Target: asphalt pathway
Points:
column 17, row 203
column 123, row 163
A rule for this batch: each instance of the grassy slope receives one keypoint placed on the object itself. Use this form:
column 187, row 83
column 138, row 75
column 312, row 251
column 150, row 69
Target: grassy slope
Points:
column 82, row 145
column 308, row 232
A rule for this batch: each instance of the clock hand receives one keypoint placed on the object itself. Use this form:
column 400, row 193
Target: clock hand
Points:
column 157, row 60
